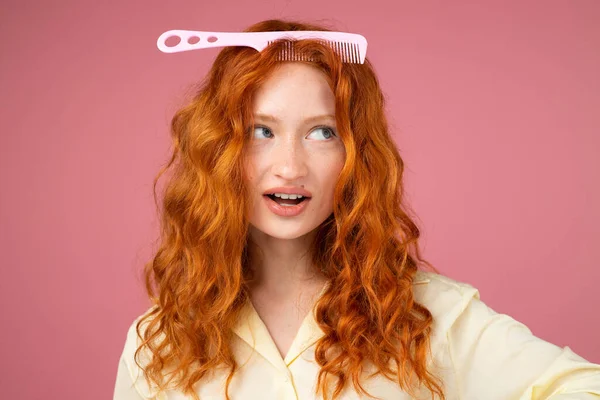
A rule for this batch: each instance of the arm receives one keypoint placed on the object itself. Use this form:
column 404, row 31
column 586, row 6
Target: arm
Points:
column 497, row 357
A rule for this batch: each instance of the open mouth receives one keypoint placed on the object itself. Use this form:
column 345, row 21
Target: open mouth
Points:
column 290, row 202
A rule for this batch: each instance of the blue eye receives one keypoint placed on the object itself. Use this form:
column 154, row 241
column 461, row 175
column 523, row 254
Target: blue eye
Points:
column 263, row 128
column 326, row 128
column 319, row 128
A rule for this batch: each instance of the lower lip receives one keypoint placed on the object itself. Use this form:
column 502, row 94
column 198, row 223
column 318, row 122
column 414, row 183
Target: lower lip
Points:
column 285, row 211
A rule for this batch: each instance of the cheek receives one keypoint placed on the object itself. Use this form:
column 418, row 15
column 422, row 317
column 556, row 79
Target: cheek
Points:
column 336, row 166
column 333, row 169
column 250, row 170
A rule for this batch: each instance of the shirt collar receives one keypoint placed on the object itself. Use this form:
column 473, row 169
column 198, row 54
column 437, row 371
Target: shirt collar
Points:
column 252, row 330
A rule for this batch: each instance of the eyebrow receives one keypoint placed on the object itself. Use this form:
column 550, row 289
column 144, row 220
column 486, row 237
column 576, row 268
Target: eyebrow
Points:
column 266, row 117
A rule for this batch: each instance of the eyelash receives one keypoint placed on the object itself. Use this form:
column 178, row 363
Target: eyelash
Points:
column 316, row 127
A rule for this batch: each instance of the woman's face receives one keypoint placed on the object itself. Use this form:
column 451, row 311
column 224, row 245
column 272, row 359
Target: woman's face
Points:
column 294, row 143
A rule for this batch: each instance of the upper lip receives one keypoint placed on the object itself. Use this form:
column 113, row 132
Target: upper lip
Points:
column 289, row 190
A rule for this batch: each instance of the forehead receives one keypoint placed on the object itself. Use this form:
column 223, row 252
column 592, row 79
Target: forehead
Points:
column 295, row 86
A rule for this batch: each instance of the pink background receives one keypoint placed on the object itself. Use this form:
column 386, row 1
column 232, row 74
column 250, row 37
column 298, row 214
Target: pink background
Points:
column 495, row 109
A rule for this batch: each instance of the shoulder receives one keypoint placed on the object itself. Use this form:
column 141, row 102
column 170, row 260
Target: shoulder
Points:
column 135, row 329
column 133, row 341
column 444, row 297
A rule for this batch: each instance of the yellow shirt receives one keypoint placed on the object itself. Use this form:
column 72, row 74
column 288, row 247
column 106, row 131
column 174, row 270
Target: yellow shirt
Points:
column 478, row 353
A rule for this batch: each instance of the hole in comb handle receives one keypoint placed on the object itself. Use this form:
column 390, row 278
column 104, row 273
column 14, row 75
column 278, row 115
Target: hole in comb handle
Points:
column 172, row 41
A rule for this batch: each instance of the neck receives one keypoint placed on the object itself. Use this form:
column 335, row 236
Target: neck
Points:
column 282, row 267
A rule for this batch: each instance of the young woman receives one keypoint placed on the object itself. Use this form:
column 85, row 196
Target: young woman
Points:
column 260, row 294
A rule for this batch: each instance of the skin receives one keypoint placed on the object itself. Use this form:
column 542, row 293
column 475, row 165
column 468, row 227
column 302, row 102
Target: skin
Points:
column 290, row 152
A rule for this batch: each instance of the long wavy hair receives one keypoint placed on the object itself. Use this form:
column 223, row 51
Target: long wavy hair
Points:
column 367, row 248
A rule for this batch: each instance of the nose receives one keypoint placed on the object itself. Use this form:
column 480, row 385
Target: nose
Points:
column 289, row 159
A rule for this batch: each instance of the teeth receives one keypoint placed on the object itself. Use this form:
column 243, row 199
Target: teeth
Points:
column 287, row 196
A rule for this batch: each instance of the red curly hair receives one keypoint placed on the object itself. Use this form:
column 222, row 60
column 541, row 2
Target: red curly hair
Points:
column 367, row 248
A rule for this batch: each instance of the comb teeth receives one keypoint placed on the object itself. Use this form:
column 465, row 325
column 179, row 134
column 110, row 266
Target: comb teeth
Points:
column 348, row 52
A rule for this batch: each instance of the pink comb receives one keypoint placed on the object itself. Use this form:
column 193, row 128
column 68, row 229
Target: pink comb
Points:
column 351, row 47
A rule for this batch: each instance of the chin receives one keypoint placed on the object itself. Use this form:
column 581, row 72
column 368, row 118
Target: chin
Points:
column 280, row 231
